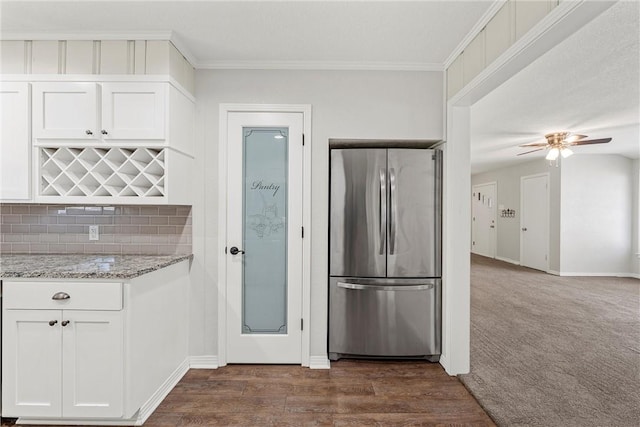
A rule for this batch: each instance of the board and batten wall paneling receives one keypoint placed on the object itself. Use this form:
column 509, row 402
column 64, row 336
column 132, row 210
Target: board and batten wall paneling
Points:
column 528, row 13
column 12, row 57
column 79, row 57
column 114, row 57
column 454, row 76
column 510, row 23
column 140, row 57
column 121, row 57
column 45, row 57
column 498, row 33
column 473, row 58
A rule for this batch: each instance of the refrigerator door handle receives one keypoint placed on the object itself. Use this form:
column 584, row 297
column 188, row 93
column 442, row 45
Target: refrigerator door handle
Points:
column 393, row 212
column 360, row 287
column 383, row 210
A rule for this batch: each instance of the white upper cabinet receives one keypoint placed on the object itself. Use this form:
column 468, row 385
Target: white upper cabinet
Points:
column 133, row 110
column 15, row 146
column 63, row 110
column 99, row 111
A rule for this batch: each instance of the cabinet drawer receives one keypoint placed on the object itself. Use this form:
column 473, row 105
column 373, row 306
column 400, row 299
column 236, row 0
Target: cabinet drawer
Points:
column 82, row 295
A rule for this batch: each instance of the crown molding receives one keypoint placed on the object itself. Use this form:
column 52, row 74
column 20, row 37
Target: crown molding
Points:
column 86, row 35
column 320, row 65
column 475, row 30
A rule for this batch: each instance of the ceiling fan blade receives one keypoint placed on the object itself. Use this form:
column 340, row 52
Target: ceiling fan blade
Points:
column 534, row 144
column 532, row 151
column 591, row 141
column 574, row 137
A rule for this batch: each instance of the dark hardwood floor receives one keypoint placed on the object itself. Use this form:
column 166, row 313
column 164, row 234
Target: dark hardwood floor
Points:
column 351, row 393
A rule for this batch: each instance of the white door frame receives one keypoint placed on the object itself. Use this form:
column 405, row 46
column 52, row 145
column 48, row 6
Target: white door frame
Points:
column 548, row 192
column 495, row 216
column 225, row 109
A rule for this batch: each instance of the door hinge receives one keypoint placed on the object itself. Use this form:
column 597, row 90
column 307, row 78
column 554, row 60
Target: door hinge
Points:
column 302, row 324
column 303, row 232
column 303, row 139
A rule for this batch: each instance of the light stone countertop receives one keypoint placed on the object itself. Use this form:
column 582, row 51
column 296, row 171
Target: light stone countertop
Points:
column 83, row 266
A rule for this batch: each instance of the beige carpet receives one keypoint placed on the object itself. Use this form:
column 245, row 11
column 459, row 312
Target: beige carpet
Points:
column 554, row 351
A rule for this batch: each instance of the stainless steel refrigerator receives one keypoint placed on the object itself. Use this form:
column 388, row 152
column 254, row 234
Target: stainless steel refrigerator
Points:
column 385, row 253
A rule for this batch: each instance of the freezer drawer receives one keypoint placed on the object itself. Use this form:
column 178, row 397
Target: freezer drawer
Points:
column 384, row 318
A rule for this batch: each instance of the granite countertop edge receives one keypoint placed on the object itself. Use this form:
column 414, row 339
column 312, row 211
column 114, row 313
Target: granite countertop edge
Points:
column 82, row 266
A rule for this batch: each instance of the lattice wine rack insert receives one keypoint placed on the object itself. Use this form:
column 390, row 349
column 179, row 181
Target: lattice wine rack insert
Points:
column 120, row 172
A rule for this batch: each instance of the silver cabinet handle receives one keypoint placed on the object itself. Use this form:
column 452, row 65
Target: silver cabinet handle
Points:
column 393, row 213
column 64, row 323
column 524, row 228
column 383, row 210
column 88, row 132
column 52, row 322
column 60, row 296
column 104, row 132
column 360, row 287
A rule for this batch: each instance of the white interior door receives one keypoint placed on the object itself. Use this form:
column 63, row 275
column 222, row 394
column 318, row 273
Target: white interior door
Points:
column 534, row 222
column 483, row 221
column 264, row 237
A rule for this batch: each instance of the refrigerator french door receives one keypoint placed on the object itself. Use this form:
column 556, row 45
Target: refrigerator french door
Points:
column 385, row 253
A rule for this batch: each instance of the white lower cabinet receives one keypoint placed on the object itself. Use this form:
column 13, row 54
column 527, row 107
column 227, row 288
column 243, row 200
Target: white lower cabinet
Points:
column 89, row 352
column 64, row 363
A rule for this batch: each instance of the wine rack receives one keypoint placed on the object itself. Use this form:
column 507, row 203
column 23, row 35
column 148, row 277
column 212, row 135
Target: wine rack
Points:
column 102, row 172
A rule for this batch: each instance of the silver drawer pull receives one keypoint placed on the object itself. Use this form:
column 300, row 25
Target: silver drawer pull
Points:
column 60, row 296
column 359, row 287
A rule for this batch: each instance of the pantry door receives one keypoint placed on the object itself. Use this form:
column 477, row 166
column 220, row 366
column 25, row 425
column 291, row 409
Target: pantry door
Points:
column 264, row 241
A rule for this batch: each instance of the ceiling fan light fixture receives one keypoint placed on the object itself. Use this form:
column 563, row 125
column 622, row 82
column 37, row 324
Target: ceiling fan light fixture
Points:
column 553, row 154
column 566, row 152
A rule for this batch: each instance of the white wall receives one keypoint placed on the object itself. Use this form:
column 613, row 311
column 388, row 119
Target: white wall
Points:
column 508, row 194
column 596, row 218
column 345, row 104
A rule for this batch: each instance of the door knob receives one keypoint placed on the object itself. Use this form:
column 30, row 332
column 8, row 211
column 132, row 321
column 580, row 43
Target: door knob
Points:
column 64, row 323
column 88, row 132
column 104, row 132
column 52, row 322
column 235, row 251
column 524, row 228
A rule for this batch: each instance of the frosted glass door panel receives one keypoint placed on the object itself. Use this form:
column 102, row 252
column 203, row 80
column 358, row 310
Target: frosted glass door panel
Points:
column 264, row 295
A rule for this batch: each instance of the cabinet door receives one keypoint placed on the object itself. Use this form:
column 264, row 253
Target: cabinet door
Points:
column 63, row 110
column 92, row 364
column 133, row 110
column 15, row 146
column 31, row 360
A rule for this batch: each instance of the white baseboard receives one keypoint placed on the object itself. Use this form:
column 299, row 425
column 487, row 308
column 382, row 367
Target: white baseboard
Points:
column 204, row 362
column 319, row 362
column 555, row 273
column 585, row 274
column 509, row 260
column 156, row 399
column 634, row 275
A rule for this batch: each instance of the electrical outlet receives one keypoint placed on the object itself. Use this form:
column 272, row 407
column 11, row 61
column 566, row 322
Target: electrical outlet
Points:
column 94, row 232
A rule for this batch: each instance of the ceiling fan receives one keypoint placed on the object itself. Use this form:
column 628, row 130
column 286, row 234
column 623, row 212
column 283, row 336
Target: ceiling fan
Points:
column 558, row 143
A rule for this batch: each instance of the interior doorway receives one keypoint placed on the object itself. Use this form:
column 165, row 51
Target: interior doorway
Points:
column 264, row 281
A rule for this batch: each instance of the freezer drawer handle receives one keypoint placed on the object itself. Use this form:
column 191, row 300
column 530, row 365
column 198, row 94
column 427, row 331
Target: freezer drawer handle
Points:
column 61, row 296
column 359, row 287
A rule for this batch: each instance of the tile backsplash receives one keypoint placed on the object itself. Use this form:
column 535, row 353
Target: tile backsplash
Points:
column 62, row 229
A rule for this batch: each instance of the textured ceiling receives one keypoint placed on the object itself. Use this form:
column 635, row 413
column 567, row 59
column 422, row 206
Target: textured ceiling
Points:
column 588, row 84
column 394, row 33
